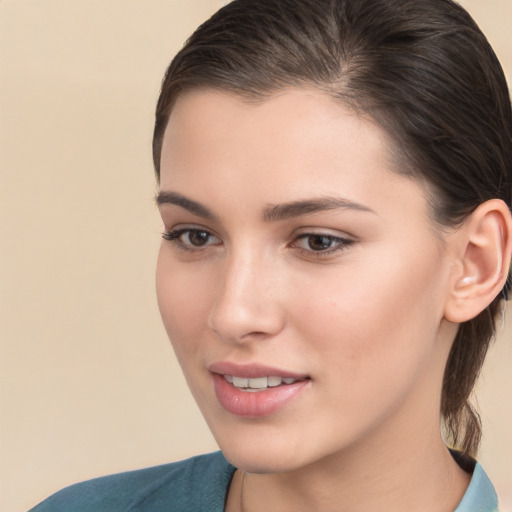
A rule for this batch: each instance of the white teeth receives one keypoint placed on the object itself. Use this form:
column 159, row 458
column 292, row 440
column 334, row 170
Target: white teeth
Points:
column 274, row 381
column 240, row 382
column 257, row 383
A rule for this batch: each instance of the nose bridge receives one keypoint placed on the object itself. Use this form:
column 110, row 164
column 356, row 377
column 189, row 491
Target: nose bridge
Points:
column 246, row 299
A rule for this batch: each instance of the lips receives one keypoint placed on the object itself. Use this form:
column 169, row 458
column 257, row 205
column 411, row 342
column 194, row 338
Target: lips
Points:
column 253, row 391
column 252, row 370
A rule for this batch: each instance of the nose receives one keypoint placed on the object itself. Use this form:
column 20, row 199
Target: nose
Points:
column 247, row 304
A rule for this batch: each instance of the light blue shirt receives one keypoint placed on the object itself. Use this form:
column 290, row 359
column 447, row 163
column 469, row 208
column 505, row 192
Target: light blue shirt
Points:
column 480, row 496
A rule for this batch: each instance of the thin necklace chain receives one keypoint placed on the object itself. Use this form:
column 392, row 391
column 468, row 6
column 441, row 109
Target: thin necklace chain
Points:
column 242, row 505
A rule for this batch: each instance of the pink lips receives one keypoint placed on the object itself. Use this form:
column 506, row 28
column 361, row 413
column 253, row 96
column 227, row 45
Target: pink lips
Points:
column 259, row 403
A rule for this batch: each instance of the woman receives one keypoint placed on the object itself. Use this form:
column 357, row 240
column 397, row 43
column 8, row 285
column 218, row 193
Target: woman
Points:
column 335, row 183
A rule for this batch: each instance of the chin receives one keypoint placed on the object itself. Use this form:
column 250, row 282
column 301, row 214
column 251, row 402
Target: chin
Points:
column 260, row 461
column 268, row 452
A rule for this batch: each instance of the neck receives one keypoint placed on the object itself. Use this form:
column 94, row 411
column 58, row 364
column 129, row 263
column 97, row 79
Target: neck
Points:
column 413, row 477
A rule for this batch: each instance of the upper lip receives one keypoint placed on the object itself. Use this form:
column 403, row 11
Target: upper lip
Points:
column 252, row 370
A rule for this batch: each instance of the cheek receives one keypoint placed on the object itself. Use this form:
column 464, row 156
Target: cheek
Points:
column 183, row 299
column 370, row 341
column 371, row 318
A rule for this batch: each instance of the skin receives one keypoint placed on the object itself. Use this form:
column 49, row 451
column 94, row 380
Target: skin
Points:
column 363, row 317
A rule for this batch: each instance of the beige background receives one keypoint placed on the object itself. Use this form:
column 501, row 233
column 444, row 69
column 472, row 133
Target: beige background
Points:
column 88, row 382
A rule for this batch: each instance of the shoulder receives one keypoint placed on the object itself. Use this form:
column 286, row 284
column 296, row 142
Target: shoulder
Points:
column 197, row 484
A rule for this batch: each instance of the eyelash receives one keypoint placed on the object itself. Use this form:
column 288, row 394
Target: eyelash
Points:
column 174, row 237
column 341, row 243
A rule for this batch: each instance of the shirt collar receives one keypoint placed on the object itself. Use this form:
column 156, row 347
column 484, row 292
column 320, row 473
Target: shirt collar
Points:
column 480, row 496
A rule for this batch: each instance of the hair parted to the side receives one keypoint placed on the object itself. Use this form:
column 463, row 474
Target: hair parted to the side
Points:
column 422, row 69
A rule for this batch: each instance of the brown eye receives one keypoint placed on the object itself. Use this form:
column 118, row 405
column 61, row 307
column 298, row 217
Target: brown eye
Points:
column 197, row 238
column 191, row 239
column 320, row 242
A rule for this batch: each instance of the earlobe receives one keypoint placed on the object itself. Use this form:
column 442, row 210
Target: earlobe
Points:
column 484, row 260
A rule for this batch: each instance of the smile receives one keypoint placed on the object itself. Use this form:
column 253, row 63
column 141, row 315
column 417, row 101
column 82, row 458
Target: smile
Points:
column 256, row 384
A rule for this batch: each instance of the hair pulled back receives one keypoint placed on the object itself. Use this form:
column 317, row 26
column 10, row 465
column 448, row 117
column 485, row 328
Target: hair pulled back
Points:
column 422, row 70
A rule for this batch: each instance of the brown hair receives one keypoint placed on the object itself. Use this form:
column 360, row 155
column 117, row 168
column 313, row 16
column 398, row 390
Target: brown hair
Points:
column 422, row 69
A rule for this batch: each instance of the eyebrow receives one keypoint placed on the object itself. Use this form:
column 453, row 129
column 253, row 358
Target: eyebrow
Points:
column 272, row 213
column 309, row 206
column 186, row 203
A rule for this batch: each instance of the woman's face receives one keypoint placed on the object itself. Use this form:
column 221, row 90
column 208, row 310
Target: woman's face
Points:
column 300, row 281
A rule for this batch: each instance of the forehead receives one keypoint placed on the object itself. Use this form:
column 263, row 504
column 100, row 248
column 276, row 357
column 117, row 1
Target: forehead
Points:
column 307, row 121
column 295, row 144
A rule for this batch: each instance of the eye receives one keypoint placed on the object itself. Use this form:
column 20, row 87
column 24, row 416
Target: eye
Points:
column 191, row 238
column 321, row 243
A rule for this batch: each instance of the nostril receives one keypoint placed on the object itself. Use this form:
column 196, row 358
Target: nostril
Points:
column 227, row 334
column 244, row 307
column 242, row 324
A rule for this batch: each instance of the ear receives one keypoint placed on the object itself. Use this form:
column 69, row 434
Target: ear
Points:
column 482, row 263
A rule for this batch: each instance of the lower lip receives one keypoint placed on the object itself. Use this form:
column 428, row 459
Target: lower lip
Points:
column 255, row 404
